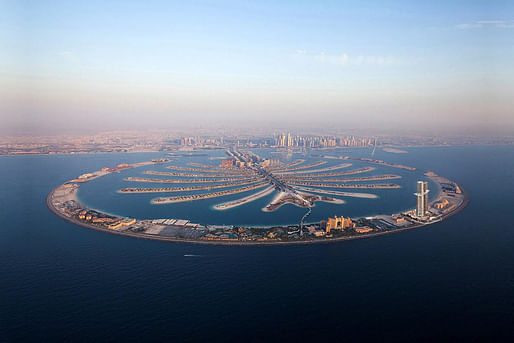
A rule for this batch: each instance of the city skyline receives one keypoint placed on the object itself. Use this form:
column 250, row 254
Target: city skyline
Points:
column 395, row 66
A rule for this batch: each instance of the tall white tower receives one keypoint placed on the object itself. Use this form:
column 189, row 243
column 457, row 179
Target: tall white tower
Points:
column 422, row 199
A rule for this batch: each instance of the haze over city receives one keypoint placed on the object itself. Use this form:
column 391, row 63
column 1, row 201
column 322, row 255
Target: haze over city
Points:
column 82, row 67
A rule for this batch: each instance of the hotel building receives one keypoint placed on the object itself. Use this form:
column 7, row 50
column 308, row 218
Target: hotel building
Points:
column 422, row 199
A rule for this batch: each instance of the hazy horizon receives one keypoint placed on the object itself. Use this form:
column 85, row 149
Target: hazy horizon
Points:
column 439, row 67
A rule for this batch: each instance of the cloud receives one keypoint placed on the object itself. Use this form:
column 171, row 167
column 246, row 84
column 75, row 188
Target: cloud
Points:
column 492, row 22
column 345, row 59
column 468, row 26
column 486, row 23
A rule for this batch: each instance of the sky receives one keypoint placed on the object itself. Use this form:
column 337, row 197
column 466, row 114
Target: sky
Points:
column 100, row 65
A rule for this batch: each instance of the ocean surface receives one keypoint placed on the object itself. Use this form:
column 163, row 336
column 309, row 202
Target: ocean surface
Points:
column 453, row 280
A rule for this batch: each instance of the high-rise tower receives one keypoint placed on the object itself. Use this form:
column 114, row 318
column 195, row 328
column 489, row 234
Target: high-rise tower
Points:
column 422, row 199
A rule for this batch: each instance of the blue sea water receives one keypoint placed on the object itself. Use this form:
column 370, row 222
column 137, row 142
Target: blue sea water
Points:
column 453, row 280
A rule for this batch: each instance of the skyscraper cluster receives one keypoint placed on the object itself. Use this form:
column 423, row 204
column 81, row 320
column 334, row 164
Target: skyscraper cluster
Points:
column 288, row 141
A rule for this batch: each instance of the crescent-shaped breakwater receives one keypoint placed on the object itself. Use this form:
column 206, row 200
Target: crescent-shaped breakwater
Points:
column 63, row 201
column 329, row 185
column 144, row 179
column 207, row 195
column 183, row 189
column 366, row 178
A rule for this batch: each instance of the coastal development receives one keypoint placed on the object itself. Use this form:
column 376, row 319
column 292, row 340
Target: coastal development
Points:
column 375, row 186
column 174, row 142
column 369, row 160
column 198, row 180
column 295, row 183
column 245, row 200
column 365, row 178
column 316, row 176
column 184, row 189
column 170, row 200
column 224, row 175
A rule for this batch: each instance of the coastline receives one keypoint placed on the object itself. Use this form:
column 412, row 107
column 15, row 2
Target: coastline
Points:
column 221, row 148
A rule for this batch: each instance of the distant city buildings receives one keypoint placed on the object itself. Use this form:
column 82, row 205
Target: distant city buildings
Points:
column 173, row 140
column 422, row 199
column 201, row 141
column 288, row 141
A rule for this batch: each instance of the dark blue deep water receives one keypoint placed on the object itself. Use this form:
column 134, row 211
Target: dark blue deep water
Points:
column 450, row 281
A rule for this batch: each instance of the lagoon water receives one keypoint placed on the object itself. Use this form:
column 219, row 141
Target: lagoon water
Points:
column 103, row 193
column 451, row 280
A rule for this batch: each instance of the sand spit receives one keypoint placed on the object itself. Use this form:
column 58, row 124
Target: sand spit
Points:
column 340, row 166
column 211, row 170
column 151, row 172
column 339, row 193
column 349, row 172
column 395, row 151
column 340, row 185
column 365, row 178
column 184, row 189
column 185, row 198
column 231, row 204
column 306, row 166
column 144, row 179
